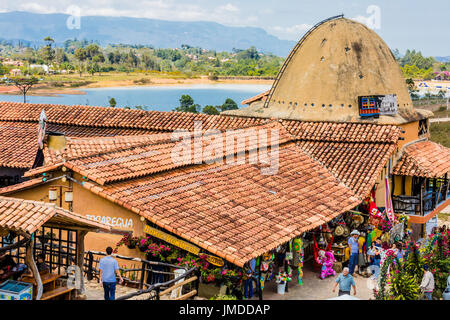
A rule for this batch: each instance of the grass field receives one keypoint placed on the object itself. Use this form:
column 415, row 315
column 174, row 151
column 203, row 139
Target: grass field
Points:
column 440, row 132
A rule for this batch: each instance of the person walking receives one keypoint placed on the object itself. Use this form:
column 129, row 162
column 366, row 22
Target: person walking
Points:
column 354, row 251
column 427, row 285
column 109, row 267
column 345, row 282
column 248, row 282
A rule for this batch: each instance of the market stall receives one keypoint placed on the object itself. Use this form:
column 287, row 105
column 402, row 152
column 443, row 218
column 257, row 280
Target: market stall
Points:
column 41, row 250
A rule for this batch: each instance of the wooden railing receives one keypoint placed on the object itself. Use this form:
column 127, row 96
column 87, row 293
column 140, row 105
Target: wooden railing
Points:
column 155, row 289
column 145, row 273
column 422, row 204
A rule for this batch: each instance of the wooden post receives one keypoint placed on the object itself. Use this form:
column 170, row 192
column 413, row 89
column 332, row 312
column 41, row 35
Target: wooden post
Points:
column 141, row 283
column 80, row 257
column 32, row 265
column 90, row 261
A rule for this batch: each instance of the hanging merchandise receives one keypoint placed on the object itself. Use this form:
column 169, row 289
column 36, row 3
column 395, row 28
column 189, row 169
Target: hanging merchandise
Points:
column 316, row 264
column 298, row 247
column 389, row 208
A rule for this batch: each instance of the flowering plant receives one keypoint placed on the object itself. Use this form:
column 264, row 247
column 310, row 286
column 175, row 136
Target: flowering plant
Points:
column 189, row 261
column 159, row 250
column 385, row 224
column 127, row 240
column 282, row 277
column 231, row 273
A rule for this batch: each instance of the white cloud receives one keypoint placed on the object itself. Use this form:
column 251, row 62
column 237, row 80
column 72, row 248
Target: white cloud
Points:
column 229, row 7
column 293, row 32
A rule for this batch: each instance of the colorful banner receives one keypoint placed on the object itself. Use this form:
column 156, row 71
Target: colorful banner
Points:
column 389, row 210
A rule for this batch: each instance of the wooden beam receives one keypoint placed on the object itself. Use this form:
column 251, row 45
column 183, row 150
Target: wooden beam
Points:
column 32, row 265
column 178, row 285
column 187, row 295
column 80, row 258
column 14, row 245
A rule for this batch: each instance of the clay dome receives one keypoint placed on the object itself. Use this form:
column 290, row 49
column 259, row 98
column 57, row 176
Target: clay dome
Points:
column 332, row 65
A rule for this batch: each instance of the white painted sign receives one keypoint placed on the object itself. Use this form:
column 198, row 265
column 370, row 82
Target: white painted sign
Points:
column 388, row 104
column 113, row 221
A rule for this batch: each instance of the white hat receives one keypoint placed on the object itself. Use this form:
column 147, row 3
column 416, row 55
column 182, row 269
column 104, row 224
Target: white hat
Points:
column 354, row 232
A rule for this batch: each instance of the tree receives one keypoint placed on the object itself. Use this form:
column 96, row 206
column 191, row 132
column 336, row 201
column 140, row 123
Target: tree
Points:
column 81, row 56
column 187, row 104
column 23, row 84
column 112, row 102
column 47, row 52
column 210, row 110
column 229, row 104
column 3, row 70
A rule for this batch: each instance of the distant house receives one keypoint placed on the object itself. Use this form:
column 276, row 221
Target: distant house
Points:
column 13, row 62
column 40, row 66
column 15, row 72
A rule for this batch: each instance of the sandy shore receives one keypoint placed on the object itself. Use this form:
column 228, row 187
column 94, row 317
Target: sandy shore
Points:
column 44, row 90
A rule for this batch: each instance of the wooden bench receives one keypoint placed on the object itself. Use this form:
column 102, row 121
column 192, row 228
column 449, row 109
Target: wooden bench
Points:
column 57, row 292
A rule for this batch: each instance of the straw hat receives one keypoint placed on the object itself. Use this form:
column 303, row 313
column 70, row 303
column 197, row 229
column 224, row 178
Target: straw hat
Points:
column 354, row 232
column 358, row 219
column 339, row 231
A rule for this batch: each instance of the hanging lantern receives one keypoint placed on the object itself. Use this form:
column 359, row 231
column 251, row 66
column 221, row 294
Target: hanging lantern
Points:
column 52, row 194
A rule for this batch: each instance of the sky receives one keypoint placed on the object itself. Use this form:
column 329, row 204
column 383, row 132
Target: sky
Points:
column 403, row 24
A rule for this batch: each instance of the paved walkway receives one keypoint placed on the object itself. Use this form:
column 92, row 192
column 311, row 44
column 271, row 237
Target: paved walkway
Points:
column 314, row 288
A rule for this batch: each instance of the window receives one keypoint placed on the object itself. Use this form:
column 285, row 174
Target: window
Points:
column 423, row 127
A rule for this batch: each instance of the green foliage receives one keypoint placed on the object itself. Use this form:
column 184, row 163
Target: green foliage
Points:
column 187, row 104
column 223, row 297
column 210, row 110
column 112, row 102
column 404, row 286
column 229, row 104
column 412, row 57
column 440, row 133
column 3, row 70
column 192, row 61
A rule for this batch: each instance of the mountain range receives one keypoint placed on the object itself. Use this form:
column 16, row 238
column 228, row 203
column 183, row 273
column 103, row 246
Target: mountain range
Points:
column 32, row 28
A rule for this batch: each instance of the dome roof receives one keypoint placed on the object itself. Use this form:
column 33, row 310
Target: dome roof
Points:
column 331, row 66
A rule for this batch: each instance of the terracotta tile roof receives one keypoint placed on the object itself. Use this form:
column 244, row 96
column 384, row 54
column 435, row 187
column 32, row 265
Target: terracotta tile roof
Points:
column 355, row 153
column 82, row 147
column 18, row 145
column 357, row 165
column 342, row 132
column 28, row 216
column 234, row 211
column 424, row 159
column 107, row 117
column 18, row 122
column 262, row 96
column 20, row 186
column 18, row 140
column 107, row 160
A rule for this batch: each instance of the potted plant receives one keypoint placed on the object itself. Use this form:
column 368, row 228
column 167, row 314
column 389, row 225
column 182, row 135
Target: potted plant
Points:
column 281, row 279
column 128, row 240
column 143, row 244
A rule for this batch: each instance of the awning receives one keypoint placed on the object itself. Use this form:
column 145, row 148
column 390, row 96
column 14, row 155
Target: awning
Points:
column 424, row 159
column 27, row 216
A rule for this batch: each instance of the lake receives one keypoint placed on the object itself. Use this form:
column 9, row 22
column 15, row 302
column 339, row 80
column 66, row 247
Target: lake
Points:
column 160, row 98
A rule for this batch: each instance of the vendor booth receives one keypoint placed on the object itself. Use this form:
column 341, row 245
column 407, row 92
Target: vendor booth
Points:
column 41, row 250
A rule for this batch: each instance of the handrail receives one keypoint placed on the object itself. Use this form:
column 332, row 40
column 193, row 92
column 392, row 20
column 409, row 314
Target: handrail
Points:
column 291, row 54
column 156, row 286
